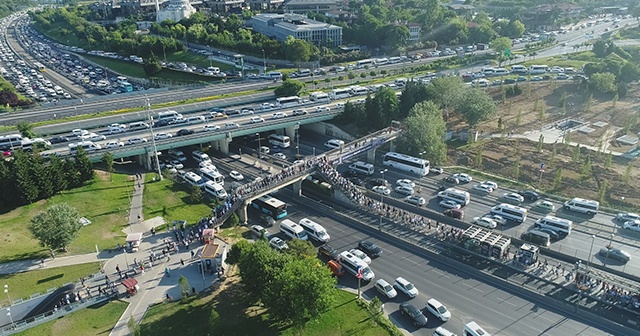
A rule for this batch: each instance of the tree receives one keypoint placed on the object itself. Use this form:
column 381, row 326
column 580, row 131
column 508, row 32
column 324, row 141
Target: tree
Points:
column 540, row 143
column 557, row 179
column 518, row 118
column 56, row 227
column 196, row 194
column 475, row 105
column 603, row 191
column 630, row 72
column 215, row 323
column 26, row 129
column 603, row 47
column 614, row 100
column 134, row 328
column 424, row 132
column 151, row 65
column 576, row 154
column 608, row 159
column 83, row 166
column 297, row 50
column 516, row 168
column 289, row 87
column 445, row 91
column 185, row 287
column 603, row 82
column 382, row 108
column 25, row 183
column 501, row 44
column 586, row 167
column 627, row 173
column 301, row 249
column 107, row 159
column 479, row 156
column 514, row 29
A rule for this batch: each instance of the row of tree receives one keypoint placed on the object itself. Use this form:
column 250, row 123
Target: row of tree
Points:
column 294, row 285
column 27, row 178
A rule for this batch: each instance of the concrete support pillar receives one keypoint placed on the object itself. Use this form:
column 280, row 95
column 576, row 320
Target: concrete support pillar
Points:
column 392, row 146
column 242, row 213
column 297, row 188
column 281, row 131
column 144, row 160
column 223, row 146
column 291, row 132
column 371, row 155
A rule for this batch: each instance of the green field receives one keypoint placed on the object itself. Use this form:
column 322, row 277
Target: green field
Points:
column 197, row 60
column 95, row 320
column 237, row 317
column 103, row 202
column 23, row 285
column 576, row 61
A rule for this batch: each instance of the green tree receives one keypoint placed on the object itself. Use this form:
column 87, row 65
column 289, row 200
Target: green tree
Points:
column 258, row 265
column 588, row 103
column 501, row 44
column 381, row 108
column 83, row 166
column 215, row 323
column 134, row 328
column 196, row 194
column 25, row 183
column 540, row 143
column 297, row 50
column 554, row 152
column 413, row 93
column 557, row 180
column 475, row 106
column 614, row 101
column 627, row 174
column 301, row 249
column 479, row 155
column 151, row 65
column 602, row 192
column 518, row 118
column 603, row 47
column 232, row 221
column 603, row 82
column 107, row 160
column 289, row 87
column 26, row 129
column 514, row 29
column 576, row 154
column 608, row 159
column 630, row 72
column 185, row 287
column 586, row 167
column 57, row 174
column 56, row 227
column 445, row 91
column 424, row 132
column 516, row 168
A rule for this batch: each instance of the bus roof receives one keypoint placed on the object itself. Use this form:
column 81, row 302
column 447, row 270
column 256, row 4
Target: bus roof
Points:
column 274, row 202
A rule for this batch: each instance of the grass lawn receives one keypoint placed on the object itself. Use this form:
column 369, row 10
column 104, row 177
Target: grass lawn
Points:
column 95, row 320
column 171, row 201
column 197, row 60
column 239, row 317
column 104, row 203
column 129, row 69
column 577, row 60
column 23, row 285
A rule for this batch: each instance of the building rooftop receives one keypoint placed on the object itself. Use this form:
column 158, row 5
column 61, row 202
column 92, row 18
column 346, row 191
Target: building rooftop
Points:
column 310, row 2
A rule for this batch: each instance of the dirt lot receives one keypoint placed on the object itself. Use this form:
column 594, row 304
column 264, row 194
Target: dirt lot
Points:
column 500, row 156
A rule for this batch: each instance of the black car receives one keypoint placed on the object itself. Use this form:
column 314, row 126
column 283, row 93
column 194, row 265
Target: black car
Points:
column 356, row 181
column 451, row 180
column 59, row 139
column 349, row 173
column 509, row 81
column 370, row 248
column 554, row 235
column 266, row 220
column 184, row 131
column 232, row 112
column 217, row 109
column 328, row 251
column 414, row 313
column 161, row 123
column 530, row 195
column 378, row 182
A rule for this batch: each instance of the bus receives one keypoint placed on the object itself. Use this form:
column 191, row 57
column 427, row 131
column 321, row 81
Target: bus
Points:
column 281, row 141
column 340, row 93
column 319, row 97
column 38, row 66
column 358, row 90
column 538, row 69
column 288, row 101
column 125, row 87
column 364, row 63
column 271, row 206
column 407, row 163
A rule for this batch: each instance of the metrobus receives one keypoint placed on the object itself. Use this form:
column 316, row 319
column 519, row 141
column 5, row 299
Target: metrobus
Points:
column 271, row 206
column 319, row 96
column 288, row 101
column 340, row 93
column 512, row 212
column 38, row 66
column 407, row 163
column 281, row 141
column 364, row 63
column 358, row 90
column 381, row 61
column 125, row 87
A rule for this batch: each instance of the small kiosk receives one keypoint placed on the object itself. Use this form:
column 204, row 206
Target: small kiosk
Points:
column 131, row 285
column 528, row 254
column 208, row 235
column 133, row 241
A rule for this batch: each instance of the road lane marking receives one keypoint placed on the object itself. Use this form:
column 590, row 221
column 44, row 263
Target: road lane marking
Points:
column 505, row 301
column 473, row 287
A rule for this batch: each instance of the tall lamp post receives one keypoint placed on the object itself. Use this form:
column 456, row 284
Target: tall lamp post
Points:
column 593, row 238
column 10, row 318
column 264, row 62
column 260, row 152
column 6, row 291
column 298, row 140
column 153, row 139
column 381, row 200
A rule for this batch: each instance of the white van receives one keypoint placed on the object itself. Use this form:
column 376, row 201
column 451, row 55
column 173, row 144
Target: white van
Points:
column 196, row 120
column 200, row 156
column 215, row 190
column 559, row 225
column 353, row 264
column 193, row 179
column 334, row 143
column 314, row 230
column 362, row 168
column 511, row 212
column 582, row 205
column 177, row 154
column 212, row 175
column 519, row 69
column 293, row 230
column 452, row 194
column 117, row 128
column 281, row 141
column 500, row 72
column 88, row 147
column 138, row 125
column 473, row 329
column 169, row 116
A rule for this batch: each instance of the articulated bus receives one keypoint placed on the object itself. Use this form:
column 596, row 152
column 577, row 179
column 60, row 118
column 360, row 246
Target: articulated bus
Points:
column 271, row 206
column 288, row 101
column 38, row 66
column 407, row 163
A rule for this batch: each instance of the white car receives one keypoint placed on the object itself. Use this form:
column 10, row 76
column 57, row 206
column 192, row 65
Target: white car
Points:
column 79, row 132
column 323, row 109
column 209, row 128
column 405, row 183
column 385, row 289
column 513, row 197
column 463, row 178
column 492, row 184
column 161, row 136
column 279, row 115
column 382, row 190
column 278, row 244
column 134, row 141
column 449, row 204
column 498, row 219
column 483, row 188
column 246, row 111
column 113, row 144
column 360, row 255
column 93, row 137
column 438, row 309
column 255, row 120
column 280, row 156
column 236, row 175
column 485, row 222
column 231, row 125
column 406, row 287
column 404, row 190
column 208, row 165
column 416, row 200
column 627, row 216
column 633, row 225
column 177, row 164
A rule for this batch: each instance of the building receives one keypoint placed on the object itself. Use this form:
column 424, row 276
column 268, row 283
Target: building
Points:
column 224, row 6
column 340, row 15
column 264, row 5
column 280, row 26
column 414, row 31
column 176, row 11
column 542, row 17
column 317, row 6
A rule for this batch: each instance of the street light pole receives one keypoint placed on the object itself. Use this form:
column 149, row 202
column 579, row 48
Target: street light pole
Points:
column 381, row 201
column 593, row 238
column 260, row 152
column 264, row 62
column 298, row 140
column 153, row 139
column 6, row 291
column 11, row 318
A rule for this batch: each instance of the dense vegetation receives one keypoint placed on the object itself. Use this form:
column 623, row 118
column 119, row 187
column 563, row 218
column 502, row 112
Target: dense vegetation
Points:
column 9, row 97
column 8, row 7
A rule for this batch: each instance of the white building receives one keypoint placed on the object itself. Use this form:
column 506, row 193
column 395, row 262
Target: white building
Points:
column 280, row 26
column 176, row 11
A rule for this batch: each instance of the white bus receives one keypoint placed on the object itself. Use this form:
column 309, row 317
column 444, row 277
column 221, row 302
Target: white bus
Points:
column 281, row 141
column 303, row 73
column 512, row 212
column 340, row 93
column 358, row 90
column 381, row 61
column 274, row 75
column 364, row 63
column 559, row 225
column 288, row 101
column 459, row 196
column 394, row 60
column 319, row 96
column 406, row 163
column 538, row 69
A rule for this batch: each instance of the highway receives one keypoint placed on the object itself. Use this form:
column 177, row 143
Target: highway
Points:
column 499, row 310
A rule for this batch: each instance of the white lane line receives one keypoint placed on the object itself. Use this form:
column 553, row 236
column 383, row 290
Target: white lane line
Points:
column 505, row 301
column 473, row 287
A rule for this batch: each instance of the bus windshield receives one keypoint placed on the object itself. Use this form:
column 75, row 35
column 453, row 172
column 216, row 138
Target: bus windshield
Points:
column 271, row 206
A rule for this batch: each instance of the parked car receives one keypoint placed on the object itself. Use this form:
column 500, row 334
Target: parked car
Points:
column 404, row 190
column 530, row 195
column 514, row 198
column 416, row 200
column 436, row 170
column 405, row 183
column 328, row 251
column 463, row 178
column 267, row 221
column 498, row 219
column 113, row 144
column 184, row 131
column 449, row 204
column 209, row 128
column 406, row 287
column 382, row 190
column 385, row 289
column 236, row 175
column 438, row 309
column 278, row 244
column 623, row 216
column 413, row 313
column 136, row 140
column 633, row 225
column 482, row 189
column 258, row 232
column 360, row 255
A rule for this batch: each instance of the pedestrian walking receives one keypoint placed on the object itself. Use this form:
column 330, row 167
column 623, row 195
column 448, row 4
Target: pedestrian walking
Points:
column 192, row 254
column 181, row 262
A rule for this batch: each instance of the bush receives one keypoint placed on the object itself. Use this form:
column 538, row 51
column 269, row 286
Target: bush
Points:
column 513, row 90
